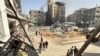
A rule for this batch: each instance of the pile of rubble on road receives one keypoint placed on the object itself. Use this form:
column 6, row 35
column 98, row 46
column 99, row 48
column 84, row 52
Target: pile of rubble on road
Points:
column 60, row 27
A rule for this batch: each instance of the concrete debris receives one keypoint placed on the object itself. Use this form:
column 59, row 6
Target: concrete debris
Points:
column 58, row 27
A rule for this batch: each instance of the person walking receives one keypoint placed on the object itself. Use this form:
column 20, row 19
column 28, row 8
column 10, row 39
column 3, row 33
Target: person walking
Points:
column 75, row 50
column 46, row 44
column 42, row 39
column 41, row 34
column 68, row 53
column 40, row 47
column 36, row 33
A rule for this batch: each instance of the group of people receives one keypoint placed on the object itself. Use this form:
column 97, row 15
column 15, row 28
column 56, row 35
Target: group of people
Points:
column 72, row 51
column 38, row 33
column 43, row 45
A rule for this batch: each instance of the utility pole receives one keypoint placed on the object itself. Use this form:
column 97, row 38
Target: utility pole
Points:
column 88, row 41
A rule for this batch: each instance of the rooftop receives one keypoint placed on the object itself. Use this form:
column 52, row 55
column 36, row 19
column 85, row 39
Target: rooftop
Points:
column 60, row 3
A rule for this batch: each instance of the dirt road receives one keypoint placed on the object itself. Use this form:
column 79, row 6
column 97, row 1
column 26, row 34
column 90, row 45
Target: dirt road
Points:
column 60, row 48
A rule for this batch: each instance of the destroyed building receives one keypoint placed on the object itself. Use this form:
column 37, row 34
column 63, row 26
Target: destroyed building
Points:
column 37, row 17
column 12, row 17
column 56, row 11
column 13, row 30
column 11, row 21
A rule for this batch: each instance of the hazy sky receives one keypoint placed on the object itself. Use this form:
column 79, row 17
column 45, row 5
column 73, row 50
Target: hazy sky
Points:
column 71, row 5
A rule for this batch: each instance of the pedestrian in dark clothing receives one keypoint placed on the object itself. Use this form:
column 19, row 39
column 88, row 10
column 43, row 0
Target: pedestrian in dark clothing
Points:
column 41, row 39
column 46, row 44
column 40, row 47
column 75, row 49
column 36, row 33
column 41, row 34
column 68, row 52
column 88, row 35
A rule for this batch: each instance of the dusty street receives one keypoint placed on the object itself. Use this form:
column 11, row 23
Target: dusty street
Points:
column 59, row 46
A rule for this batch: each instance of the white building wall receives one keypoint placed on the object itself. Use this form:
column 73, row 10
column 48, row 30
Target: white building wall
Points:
column 26, row 26
column 4, row 28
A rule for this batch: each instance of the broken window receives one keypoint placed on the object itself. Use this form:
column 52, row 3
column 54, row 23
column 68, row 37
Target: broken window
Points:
column 97, row 11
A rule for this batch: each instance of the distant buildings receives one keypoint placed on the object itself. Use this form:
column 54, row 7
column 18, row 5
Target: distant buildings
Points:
column 86, row 17
column 77, row 15
column 37, row 17
column 56, row 12
column 92, row 16
column 72, row 18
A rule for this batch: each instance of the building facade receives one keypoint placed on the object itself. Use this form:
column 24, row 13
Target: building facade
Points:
column 91, row 17
column 56, row 11
column 72, row 18
column 76, row 16
column 13, row 21
column 4, row 27
column 16, row 3
column 37, row 17
column 86, row 17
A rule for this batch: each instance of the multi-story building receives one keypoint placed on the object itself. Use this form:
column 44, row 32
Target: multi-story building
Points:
column 86, row 17
column 59, row 12
column 56, row 11
column 80, row 16
column 92, row 16
column 80, row 13
column 37, row 17
column 76, row 16
column 72, row 18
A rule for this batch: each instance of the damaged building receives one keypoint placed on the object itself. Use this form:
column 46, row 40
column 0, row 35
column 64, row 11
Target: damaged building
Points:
column 37, row 17
column 11, row 24
column 56, row 11
column 14, row 30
